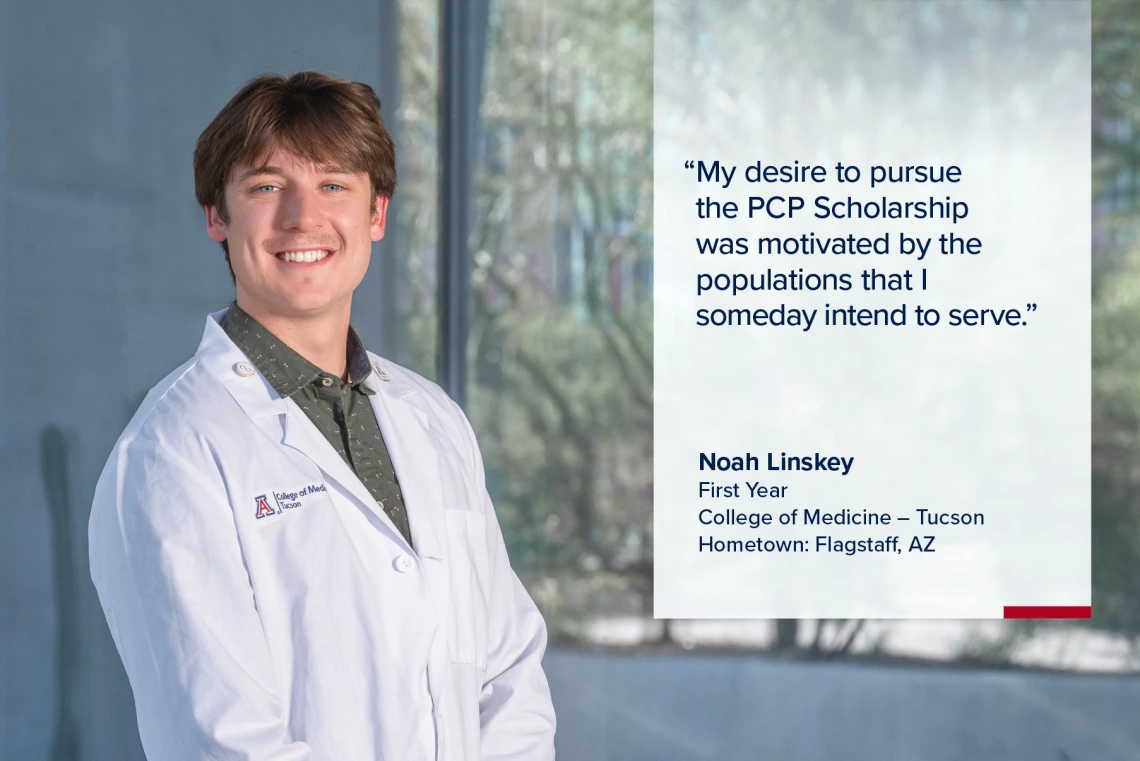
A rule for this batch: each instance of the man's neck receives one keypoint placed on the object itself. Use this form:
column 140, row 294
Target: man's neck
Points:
column 320, row 338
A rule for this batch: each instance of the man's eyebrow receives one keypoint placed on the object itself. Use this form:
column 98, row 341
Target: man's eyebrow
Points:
column 260, row 170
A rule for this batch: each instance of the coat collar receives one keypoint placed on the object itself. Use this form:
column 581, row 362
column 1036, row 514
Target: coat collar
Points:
column 400, row 409
column 285, row 369
column 224, row 360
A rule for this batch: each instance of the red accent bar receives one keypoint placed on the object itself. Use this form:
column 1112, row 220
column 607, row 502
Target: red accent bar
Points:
column 1048, row 611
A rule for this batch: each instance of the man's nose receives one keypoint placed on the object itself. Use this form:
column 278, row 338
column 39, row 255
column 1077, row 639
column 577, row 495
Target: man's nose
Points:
column 300, row 210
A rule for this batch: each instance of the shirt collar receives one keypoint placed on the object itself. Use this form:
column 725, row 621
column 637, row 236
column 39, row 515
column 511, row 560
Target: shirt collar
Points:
column 286, row 370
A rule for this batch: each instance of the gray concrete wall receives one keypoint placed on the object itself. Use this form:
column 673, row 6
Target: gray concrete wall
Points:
column 750, row 708
column 106, row 276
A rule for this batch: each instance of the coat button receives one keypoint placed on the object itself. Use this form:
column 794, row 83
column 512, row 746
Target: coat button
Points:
column 244, row 369
column 404, row 564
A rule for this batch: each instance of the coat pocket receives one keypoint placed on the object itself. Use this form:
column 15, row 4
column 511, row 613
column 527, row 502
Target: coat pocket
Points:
column 468, row 568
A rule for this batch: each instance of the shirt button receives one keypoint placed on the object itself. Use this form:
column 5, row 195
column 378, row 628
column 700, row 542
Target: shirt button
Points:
column 326, row 382
column 244, row 369
column 404, row 564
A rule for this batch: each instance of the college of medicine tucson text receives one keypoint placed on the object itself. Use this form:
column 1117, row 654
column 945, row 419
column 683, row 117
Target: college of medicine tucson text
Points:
column 815, row 461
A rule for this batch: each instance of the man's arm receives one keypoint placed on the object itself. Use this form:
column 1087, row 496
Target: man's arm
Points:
column 168, row 567
column 515, row 712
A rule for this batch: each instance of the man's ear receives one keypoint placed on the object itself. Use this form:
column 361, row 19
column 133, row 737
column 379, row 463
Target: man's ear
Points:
column 215, row 227
column 380, row 217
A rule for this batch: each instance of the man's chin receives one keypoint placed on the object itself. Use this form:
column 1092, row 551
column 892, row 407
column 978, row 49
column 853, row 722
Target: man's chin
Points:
column 296, row 305
column 310, row 306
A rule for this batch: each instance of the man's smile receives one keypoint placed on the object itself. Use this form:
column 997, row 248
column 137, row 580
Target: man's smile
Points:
column 304, row 256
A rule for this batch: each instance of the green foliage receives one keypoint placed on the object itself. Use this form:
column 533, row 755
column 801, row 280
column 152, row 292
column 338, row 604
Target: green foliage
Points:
column 1116, row 451
column 1116, row 318
column 560, row 343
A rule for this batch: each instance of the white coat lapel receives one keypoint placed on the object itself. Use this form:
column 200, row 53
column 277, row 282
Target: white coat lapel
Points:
column 302, row 435
column 406, row 430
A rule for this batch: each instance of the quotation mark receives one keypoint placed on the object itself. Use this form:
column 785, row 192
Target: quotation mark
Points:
column 1028, row 308
column 690, row 164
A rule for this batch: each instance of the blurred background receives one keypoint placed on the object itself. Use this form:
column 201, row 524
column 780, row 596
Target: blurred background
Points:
column 517, row 271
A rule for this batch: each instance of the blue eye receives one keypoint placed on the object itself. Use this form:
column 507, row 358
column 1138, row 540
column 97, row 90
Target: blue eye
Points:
column 263, row 187
column 334, row 185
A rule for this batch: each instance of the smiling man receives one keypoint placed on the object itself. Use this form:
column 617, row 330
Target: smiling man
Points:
column 292, row 540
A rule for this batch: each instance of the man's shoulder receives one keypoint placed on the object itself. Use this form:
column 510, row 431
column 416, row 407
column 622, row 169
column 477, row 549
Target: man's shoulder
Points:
column 173, row 442
column 189, row 401
column 406, row 382
column 430, row 398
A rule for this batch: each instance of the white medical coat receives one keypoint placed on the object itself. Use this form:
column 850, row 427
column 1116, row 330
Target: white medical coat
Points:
column 266, row 609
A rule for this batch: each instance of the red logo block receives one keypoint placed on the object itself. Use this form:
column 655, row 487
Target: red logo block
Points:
column 263, row 508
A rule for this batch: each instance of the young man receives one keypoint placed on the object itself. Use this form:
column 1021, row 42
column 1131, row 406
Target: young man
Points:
column 292, row 540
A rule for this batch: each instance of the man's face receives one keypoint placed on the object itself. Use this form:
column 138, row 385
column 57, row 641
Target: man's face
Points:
column 299, row 236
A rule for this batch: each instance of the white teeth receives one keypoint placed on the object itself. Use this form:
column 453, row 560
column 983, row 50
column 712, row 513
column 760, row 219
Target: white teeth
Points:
column 303, row 256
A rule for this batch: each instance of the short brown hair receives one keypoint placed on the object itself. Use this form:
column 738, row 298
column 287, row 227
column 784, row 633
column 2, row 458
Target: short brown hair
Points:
column 317, row 117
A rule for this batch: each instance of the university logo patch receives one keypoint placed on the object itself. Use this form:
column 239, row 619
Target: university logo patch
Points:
column 263, row 508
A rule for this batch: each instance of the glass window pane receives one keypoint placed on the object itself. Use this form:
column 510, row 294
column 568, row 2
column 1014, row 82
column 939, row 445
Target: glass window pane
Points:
column 560, row 352
column 411, row 323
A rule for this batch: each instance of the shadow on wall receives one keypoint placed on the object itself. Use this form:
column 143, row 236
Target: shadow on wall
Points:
column 55, row 449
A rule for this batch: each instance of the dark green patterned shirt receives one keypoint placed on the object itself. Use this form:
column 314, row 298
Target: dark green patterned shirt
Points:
column 341, row 411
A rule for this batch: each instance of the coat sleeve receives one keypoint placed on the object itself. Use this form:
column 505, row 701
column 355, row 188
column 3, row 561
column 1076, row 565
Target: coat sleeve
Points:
column 516, row 715
column 168, row 567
